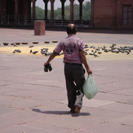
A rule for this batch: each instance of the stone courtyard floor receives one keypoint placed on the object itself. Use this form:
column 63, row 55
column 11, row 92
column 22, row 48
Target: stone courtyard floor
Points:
column 16, row 35
column 32, row 101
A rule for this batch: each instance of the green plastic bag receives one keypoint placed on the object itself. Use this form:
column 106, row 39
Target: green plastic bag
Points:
column 89, row 88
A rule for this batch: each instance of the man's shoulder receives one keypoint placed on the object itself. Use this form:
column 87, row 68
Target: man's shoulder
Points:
column 74, row 38
column 78, row 40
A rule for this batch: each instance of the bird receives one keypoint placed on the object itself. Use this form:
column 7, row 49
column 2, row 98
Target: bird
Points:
column 46, row 42
column 99, row 52
column 54, row 41
column 31, row 46
column 13, row 44
column 30, row 51
column 5, row 44
column 17, row 51
column 35, row 52
column 35, row 42
column 17, row 43
column 86, row 46
column 24, row 43
column 44, row 51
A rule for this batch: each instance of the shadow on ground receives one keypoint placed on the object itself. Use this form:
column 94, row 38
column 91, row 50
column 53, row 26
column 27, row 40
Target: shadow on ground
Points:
column 60, row 112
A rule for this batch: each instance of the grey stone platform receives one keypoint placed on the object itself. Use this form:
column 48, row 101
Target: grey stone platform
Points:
column 20, row 35
column 32, row 101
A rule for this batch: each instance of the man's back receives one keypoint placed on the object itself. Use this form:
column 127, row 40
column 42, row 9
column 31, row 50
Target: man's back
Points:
column 71, row 47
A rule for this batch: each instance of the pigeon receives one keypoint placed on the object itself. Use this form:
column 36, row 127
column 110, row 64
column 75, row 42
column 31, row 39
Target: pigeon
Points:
column 92, row 47
column 86, row 46
column 46, row 42
column 95, row 55
column 90, row 53
column 85, row 53
column 113, row 45
column 35, row 42
column 17, row 43
column 35, row 52
column 24, row 43
column 105, row 50
column 5, row 44
column 44, row 51
column 99, row 52
column 17, row 51
column 13, row 44
column 54, row 41
column 31, row 46
column 30, row 51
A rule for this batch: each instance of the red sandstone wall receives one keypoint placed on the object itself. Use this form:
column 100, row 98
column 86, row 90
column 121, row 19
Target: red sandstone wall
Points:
column 103, row 13
column 119, row 13
column 108, row 13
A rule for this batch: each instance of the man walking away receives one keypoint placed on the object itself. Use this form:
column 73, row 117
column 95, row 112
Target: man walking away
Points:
column 74, row 57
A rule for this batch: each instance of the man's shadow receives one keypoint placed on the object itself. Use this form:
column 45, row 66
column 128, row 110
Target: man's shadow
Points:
column 60, row 112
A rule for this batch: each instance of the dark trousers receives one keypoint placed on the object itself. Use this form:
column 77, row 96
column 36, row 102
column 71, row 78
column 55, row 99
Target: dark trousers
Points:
column 74, row 75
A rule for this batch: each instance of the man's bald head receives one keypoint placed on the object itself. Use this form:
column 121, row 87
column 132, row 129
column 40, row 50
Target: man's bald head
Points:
column 71, row 29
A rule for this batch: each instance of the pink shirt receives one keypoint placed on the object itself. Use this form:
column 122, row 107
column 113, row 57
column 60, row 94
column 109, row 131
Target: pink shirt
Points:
column 71, row 47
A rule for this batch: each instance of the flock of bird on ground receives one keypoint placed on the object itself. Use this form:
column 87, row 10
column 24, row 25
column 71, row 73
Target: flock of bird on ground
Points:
column 89, row 50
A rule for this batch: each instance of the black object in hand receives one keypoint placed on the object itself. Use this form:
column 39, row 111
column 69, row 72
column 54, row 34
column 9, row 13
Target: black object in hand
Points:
column 47, row 68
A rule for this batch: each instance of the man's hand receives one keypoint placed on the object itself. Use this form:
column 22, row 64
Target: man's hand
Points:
column 46, row 63
column 89, row 72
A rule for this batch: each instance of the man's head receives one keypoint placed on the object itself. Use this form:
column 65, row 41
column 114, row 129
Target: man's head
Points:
column 71, row 29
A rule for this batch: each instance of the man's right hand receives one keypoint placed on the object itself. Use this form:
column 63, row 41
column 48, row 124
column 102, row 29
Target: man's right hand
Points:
column 51, row 57
column 89, row 72
column 46, row 63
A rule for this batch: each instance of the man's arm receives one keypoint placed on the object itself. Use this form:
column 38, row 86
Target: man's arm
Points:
column 84, row 61
column 51, row 57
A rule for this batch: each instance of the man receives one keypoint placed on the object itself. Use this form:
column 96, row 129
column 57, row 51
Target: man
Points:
column 74, row 56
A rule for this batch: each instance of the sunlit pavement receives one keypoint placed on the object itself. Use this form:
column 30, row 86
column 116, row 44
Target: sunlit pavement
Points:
column 20, row 35
column 32, row 101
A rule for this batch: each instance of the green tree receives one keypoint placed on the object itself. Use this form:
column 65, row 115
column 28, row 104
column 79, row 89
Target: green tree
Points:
column 39, row 13
column 57, row 13
column 76, row 12
column 67, row 12
column 87, row 10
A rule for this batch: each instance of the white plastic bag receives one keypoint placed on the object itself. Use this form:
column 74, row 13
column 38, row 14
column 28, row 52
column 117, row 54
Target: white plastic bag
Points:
column 89, row 88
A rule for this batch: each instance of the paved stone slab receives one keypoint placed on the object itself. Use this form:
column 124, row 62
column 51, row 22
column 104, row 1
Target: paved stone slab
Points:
column 33, row 100
column 93, row 102
column 4, row 109
column 20, row 35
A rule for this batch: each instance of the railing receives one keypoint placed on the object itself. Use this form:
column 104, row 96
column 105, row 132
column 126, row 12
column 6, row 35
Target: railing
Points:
column 17, row 21
column 63, row 23
column 11, row 20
